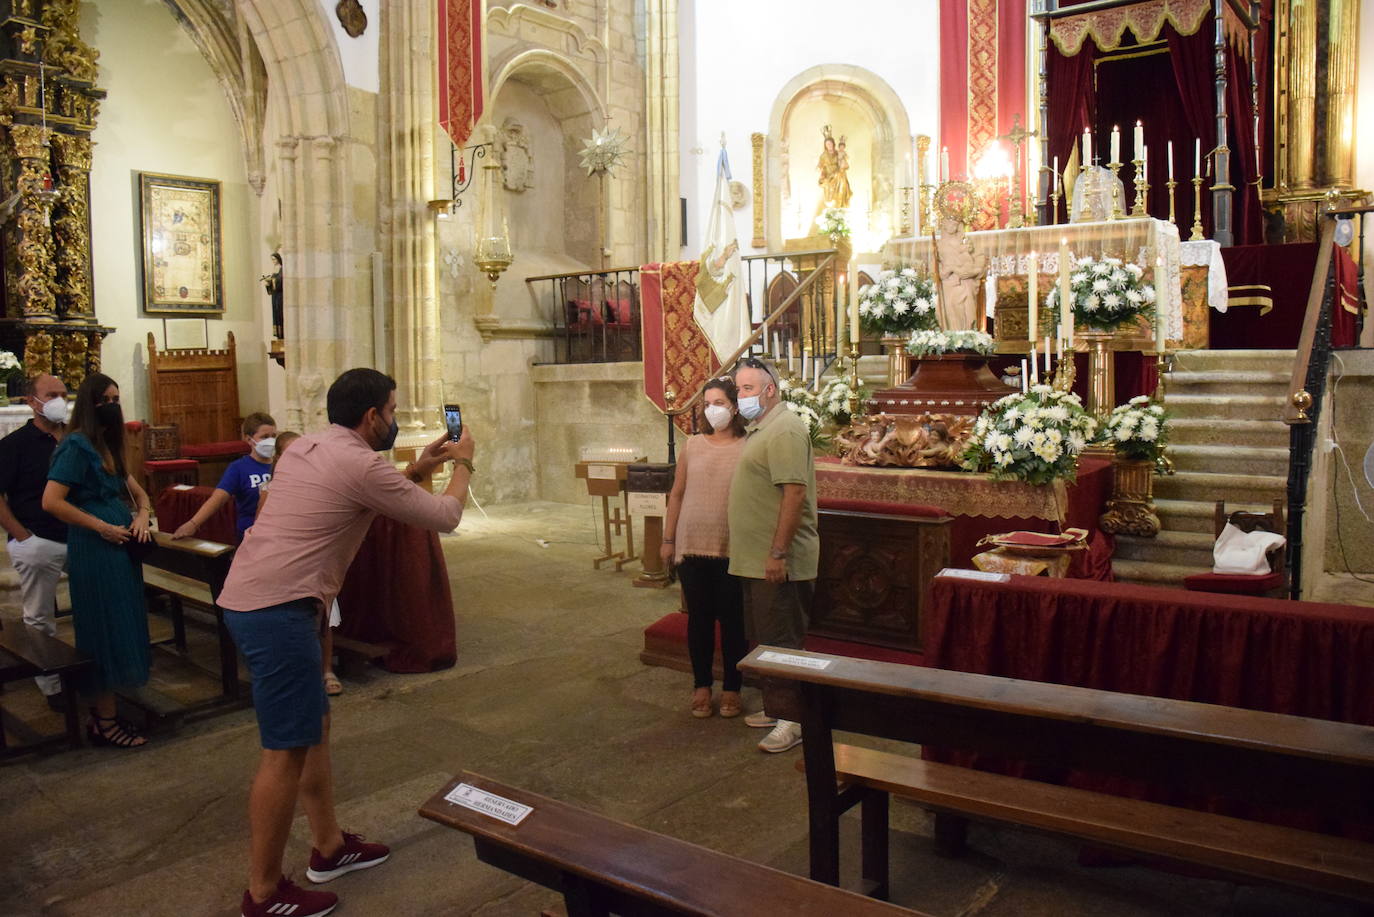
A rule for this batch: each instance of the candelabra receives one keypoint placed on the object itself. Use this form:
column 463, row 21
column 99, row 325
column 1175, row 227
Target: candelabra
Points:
column 1116, row 191
column 1065, row 372
column 1197, row 235
column 1138, row 182
column 1171, row 185
column 1054, row 206
column 853, row 381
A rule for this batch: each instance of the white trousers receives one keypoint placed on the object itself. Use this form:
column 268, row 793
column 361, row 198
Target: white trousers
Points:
column 39, row 563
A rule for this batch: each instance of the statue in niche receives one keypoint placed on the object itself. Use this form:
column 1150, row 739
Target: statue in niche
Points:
column 517, row 165
column 961, row 276
column 351, row 17
column 834, row 173
column 273, row 283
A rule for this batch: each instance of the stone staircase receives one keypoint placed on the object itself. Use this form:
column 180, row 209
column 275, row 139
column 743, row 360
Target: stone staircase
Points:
column 1228, row 443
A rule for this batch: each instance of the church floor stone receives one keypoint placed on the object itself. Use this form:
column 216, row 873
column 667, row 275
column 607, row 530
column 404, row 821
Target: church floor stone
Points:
column 548, row 694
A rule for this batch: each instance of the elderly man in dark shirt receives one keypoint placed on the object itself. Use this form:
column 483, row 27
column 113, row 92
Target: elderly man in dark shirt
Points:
column 37, row 542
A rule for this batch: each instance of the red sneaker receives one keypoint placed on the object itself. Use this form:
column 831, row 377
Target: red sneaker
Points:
column 354, row 854
column 290, row 900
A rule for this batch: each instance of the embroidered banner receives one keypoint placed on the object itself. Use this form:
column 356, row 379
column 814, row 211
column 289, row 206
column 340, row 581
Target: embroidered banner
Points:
column 982, row 77
column 677, row 354
column 460, row 67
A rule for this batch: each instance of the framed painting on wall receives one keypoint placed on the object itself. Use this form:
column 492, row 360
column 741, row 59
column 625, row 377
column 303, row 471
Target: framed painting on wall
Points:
column 181, row 244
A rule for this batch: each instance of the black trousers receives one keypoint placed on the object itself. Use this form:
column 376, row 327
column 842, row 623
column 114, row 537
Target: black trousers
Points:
column 712, row 595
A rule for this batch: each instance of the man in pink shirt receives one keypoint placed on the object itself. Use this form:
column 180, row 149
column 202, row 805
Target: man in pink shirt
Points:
column 326, row 492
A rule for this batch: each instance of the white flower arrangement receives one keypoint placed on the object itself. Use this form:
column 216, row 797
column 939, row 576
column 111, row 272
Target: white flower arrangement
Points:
column 834, row 399
column 9, row 363
column 833, row 222
column 1138, row 429
column 899, row 301
column 1106, row 294
column 930, row 343
column 1034, row 436
column 805, row 404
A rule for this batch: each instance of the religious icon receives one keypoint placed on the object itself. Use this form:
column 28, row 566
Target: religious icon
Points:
column 834, row 173
column 273, row 283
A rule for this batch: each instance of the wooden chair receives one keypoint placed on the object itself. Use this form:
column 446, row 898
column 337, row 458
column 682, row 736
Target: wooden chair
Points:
column 198, row 390
column 1271, row 583
column 163, row 465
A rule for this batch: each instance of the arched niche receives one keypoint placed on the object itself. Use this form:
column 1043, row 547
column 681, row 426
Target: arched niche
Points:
column 859, row 104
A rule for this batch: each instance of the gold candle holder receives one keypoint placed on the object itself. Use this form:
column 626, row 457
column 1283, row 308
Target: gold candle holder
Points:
column 906, row 226
column 1016, row 211
column 1116, row 191
column 1138, row 182
column 853, row 381
column 1197, row 235
column 1054, row 208
column 1171, row 185
column 1066, row 372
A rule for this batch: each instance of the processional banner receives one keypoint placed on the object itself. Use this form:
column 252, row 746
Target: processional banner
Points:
column 461, row 86
column 722, row 309
column 678, row 357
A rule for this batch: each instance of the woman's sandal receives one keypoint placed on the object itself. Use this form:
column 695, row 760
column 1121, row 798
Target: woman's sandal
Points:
column 701, row 708
column 113, row 733
column 332, row 686
column 730, row 704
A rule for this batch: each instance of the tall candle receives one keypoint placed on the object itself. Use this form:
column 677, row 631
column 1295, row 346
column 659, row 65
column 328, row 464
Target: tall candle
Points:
column 1116, row 143
column 1065, row 302
column 1197, row 157
column 1087, row 148
column 1161, row 332
column 1047, row 354
column 854, row 337
column 1139, row 138
column 1025, row 377
column 1033, row 298
column 1145, row 162
column 1171, row 160
column 944, row 163
column 1056, row 179
column 777, row 345
column 791, row 355
column 1034, row 366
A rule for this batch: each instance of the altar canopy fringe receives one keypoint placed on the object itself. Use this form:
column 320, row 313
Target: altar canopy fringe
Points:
column 1145, row 20
column 461, row 86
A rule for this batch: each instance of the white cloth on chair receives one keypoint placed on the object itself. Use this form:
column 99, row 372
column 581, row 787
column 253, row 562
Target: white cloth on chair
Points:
column 1244, row 553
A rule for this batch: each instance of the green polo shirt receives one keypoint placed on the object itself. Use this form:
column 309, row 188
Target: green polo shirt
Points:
column 777, row 452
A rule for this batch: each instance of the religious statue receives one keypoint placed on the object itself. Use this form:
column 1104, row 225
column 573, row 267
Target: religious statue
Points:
column 961, row 277
column 834, row 173
column 273, row 283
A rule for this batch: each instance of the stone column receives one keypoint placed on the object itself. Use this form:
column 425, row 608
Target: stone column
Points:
column 406, row 111
column 661, row 108
column 292, row 286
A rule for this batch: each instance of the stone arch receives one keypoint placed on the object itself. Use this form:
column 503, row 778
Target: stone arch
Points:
column 872, row 95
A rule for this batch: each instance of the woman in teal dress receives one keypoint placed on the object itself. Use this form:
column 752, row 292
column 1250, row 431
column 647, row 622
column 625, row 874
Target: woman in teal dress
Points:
column 89, row 489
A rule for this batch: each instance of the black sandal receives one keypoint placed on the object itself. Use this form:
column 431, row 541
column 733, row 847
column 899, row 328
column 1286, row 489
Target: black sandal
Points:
column 120, row 735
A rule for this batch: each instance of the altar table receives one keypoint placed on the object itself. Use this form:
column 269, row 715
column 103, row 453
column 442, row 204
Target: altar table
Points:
column 177, row 504
column 1302, row 658
column 982, row 505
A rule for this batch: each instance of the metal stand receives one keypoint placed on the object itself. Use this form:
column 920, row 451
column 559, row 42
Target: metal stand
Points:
column 1116, row 191
column 1197, row 235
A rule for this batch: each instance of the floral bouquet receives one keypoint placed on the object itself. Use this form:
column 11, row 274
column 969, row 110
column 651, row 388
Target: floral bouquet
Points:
column 834, row 399
column 930, row 343
column 1106, row 294
column 898, row 302
column 1033, row 436
column 834, row 222
column 9, row 365
column 805, row 404
column 1138, row 429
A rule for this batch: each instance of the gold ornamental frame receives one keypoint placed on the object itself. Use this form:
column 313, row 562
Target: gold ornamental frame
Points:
column 180, row 225
column 958, row 201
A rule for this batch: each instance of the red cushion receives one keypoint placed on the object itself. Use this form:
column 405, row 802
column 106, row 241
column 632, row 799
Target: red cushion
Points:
column 619, row 310
column 133, row 426
column 181, row 464
column 1233, row 583
column 583, row 312
column 215, row 450
column 885, row 509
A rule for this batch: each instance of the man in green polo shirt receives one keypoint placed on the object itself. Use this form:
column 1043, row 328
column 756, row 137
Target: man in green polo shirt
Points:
column 774, row 543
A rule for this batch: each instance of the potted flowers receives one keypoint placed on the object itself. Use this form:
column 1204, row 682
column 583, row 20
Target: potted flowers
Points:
column 1137, row 431
column 899, row 302
column 834, row 222
column 1034, row 436
column 935, row 343
column 1107, row 294
column 11, row 372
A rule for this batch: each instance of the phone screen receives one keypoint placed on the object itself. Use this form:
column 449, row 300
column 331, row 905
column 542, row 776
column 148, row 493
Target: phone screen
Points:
column 453, row 419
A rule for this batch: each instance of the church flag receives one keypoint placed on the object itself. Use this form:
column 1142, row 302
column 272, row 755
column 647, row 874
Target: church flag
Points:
column 461, row 89
column 677, row 355
column 721, row 307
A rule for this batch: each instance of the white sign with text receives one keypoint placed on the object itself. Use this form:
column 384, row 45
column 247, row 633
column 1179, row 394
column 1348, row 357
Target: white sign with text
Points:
column 499, row 807
column 805, row 662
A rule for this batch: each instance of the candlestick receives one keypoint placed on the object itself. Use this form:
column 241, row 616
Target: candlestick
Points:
column 1116, row 213
column 1197, row 156
column 1171, row 185
column 1139, row 138
column 1034, row 366
column 1170, row 154
column 944, row 163
column 1116, row 141
column 1085, row 212
column 1033, row 298
column 854, row 320
column 791, row 356
column 1047, row 355
column 1145, row 178
column 853, row 380
column 1087, row 147
column 1138, row 182
column 1025, row 376
column 1065, row 302
column 1197, row 235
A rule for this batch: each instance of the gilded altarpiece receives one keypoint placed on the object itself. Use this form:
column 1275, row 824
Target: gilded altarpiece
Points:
column 48, row 108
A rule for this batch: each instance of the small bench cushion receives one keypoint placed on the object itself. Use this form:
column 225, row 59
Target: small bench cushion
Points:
column 214, row 450
column 1233, row 583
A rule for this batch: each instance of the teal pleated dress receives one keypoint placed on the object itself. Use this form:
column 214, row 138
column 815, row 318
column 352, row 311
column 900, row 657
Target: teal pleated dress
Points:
column 108, row 610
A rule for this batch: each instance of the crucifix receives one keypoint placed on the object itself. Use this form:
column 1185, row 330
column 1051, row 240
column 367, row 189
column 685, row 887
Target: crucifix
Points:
column 1017, row 136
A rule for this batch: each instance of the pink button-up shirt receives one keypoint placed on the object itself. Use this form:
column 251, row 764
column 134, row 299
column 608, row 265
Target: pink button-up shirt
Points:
column 327, row 489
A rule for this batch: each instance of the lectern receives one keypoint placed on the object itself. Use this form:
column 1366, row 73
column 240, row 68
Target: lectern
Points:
column 606, row 479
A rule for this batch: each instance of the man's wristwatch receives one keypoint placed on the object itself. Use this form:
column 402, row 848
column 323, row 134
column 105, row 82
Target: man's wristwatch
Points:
column 776, row 554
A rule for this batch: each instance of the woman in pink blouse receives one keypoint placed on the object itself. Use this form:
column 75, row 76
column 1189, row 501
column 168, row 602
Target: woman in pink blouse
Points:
column 696, row 537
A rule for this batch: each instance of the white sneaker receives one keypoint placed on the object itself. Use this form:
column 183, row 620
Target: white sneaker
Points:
column 760, row 720
column 785, row 735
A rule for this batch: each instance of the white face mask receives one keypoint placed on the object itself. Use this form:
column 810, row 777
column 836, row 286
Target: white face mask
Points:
column 266, row 448
column 718, row 416
column 55, row 410
column 750, row 407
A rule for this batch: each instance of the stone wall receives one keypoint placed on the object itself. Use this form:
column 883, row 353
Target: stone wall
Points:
column 1350, row 391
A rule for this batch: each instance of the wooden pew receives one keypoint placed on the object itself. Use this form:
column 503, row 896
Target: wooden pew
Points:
column 1321, row 766
column 206, row 564
column 26, row 652
column 603, row 866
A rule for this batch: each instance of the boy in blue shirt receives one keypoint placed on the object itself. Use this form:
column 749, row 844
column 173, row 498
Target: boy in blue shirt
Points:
column 242, row 479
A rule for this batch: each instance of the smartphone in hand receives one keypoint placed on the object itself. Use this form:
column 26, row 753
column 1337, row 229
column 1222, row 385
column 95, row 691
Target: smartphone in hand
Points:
column 453, row 419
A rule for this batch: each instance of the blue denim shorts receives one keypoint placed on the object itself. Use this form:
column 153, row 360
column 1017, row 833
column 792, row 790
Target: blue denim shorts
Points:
column 282, row 646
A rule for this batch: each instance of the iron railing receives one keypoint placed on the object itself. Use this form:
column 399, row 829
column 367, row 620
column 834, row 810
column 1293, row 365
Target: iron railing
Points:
column 595, row 314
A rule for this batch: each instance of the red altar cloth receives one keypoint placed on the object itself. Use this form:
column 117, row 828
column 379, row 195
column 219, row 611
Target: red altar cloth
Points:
column 175, row 507
column 1300, row 658
column 1081, row 508
column 397, row 593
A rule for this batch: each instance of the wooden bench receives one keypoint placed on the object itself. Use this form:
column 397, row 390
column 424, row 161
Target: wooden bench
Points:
column 1325, row 768
column 25, row 653
column 603, row 866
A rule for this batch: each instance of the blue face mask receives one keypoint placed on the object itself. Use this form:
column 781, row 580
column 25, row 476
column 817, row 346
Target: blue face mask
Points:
column 750, row 407
column 390, row 439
